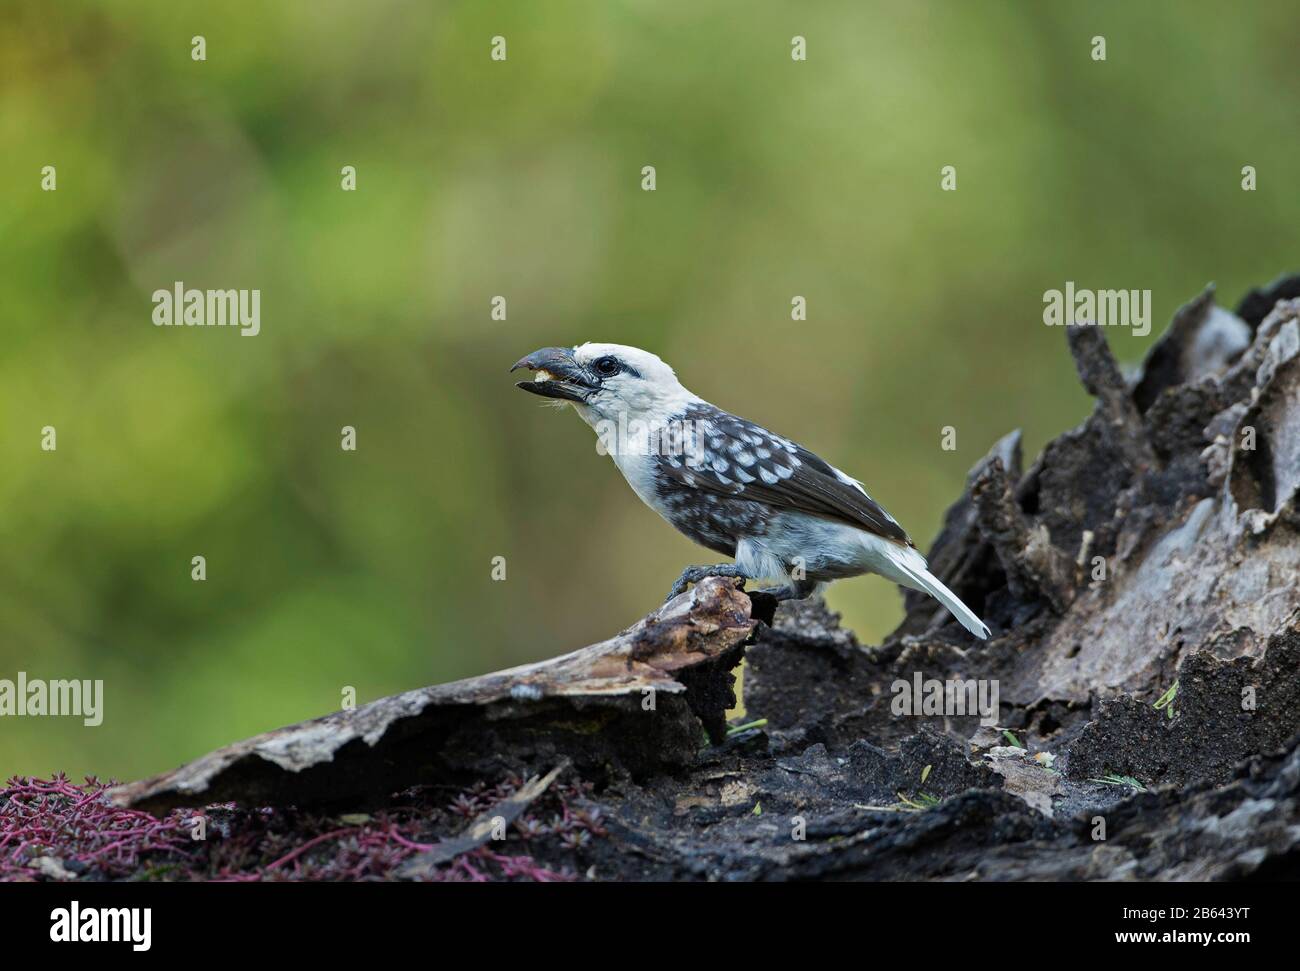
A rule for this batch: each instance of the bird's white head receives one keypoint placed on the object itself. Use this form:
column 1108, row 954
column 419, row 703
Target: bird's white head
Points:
column 607, row 382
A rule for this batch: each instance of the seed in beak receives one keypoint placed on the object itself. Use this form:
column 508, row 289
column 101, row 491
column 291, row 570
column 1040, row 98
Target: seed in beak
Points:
column 543, row 375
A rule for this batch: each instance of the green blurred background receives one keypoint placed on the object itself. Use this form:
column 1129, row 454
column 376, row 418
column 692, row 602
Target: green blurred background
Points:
column 477, row 178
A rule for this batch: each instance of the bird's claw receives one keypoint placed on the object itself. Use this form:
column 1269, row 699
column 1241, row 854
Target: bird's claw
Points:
column 694, row 574
column 794, row 590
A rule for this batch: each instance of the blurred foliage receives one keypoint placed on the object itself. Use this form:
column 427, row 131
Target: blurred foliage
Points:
column 521, row 178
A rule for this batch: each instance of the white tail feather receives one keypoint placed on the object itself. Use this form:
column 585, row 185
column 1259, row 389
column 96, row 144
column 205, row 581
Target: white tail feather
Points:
column 924, row 580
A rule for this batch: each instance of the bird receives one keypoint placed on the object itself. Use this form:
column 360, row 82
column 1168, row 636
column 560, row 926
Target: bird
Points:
column 731, row 485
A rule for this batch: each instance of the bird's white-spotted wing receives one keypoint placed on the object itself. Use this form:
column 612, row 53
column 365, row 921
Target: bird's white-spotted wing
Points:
column 727, row 455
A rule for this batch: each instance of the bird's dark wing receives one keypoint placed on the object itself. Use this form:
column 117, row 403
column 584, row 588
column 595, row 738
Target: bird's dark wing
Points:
column 727, row 455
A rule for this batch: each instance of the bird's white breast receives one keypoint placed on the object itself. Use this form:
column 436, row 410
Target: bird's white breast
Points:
column 631, row 446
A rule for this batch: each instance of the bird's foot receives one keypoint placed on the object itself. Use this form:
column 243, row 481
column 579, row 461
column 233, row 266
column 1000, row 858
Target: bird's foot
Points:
column 794, row 590
column 694, row 574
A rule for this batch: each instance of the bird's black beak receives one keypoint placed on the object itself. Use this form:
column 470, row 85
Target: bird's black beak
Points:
column 558, row 375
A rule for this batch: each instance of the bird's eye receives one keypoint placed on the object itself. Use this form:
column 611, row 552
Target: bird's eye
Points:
column 607, row 367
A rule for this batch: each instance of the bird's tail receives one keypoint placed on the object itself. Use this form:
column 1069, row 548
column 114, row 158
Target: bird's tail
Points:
column 911, row 565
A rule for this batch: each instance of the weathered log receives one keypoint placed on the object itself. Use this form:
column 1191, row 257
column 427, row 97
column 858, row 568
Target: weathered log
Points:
column 624, row 700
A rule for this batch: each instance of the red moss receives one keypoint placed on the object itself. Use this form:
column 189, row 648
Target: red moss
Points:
column 79, row 828
column 90, row 838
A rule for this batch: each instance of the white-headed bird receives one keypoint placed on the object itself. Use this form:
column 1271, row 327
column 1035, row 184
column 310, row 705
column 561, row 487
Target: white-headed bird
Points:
column 730, row 485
